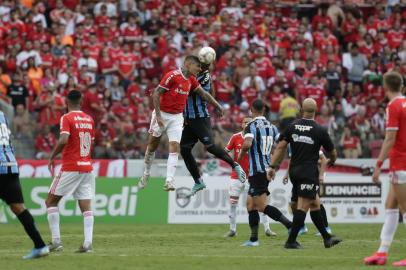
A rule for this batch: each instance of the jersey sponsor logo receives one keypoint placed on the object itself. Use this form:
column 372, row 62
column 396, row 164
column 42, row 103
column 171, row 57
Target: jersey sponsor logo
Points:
column 302, row 139
column 180, row 91
column 303, row 128
column 79, row 118
column 308, row 187
column 83, row 163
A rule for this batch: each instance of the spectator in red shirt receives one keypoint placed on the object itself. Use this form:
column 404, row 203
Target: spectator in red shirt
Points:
column 315, row 90
column 104, row 139
column 351, row 144
column 92, row 104
column 106, row 66
column 273, row 100
column 322, row 17
column 126, row 66
column 224, row 88
column 44, row 143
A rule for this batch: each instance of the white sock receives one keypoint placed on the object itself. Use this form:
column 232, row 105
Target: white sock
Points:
column 148, row 159
column 53, row 220
column 88, row 221
column 233, row 214
column 389, row 229
column 171, row 166
column 265, row 221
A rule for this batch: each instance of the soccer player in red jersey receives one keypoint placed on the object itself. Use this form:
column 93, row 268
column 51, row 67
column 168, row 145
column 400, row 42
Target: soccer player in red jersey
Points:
column 394, row 147
column 236, row 188
column 76, row 177
column 169, row 100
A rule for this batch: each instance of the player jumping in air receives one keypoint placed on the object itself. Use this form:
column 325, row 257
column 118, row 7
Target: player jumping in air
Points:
column 236, row 188
column 198, row 128
column 394, row 147
column 10, row 191
column 259, row 137
column 169, row 100
column 76, row 177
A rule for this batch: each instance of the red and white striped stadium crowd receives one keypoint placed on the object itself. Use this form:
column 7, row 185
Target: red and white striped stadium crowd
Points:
column 115, row 52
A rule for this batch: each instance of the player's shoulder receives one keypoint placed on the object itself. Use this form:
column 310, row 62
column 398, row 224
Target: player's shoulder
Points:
column 238, row 135
column 399, row 102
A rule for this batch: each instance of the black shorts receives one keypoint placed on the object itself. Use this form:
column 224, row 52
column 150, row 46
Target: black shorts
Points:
column 10, row 188
column 195, row 130
column 305, row 182
column 258, row 185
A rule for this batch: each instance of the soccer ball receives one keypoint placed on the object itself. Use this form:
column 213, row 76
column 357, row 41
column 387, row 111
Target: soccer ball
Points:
column 207, row 55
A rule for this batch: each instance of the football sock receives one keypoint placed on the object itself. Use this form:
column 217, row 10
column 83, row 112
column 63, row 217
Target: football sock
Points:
column 171, row 166
column 324, row 215
column 265, row 221
column 388, row 229
column 148, row 159
column 299, row 217
column 29, row 226
column 88, row 221
column 233, row 214
column 53, row 220
column 277, row 215
column 190, row 163
column 318, row 222
column 253, row 219
column 221, row 154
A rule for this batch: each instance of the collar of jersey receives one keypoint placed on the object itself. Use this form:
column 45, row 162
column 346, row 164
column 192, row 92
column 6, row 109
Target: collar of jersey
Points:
column 308, row 119
column 260, row 117
column 180, row 70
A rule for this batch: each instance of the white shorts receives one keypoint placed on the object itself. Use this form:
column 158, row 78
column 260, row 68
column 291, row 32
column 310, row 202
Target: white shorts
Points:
column 397, row 177
column 173, row 126
column 80, row 185
column 235, row 188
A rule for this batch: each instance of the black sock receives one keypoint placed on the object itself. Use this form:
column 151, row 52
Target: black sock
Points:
column 190, row 163
column 253, row 219
column 318, row 222
column 220, row 153
column 277, row 215
column 324, row 215
column 28, row 223
column 299, row 217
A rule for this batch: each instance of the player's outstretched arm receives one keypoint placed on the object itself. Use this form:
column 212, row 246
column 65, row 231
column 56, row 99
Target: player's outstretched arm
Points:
column 209, row 98
column 156, row 97
column 63, row 140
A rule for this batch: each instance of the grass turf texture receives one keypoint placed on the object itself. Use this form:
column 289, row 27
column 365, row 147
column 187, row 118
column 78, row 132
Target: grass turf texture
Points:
column 195, row 247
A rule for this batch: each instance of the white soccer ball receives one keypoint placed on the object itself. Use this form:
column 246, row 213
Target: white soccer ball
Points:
column 207, row 55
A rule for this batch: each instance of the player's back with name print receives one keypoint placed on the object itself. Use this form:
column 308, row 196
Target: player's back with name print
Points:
column 76, row 155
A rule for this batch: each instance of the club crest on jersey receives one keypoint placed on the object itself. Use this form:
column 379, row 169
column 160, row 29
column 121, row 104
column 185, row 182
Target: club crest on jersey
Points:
column 303, row 128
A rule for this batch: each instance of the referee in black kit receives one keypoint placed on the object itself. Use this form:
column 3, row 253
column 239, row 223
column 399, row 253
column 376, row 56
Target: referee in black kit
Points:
column 305, row 137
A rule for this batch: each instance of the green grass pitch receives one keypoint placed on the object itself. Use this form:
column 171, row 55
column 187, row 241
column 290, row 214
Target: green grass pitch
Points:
column 195, row 247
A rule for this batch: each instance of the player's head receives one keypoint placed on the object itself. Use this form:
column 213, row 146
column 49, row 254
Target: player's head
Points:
column 392, row 82
column 258, row 107
column 192, row 64
column 309, row 107
column 245, row 122
column 74, row 98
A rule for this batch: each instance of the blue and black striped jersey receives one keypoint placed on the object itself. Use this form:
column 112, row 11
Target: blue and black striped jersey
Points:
column 263, row 135
column 8, row 162
column 196, row 107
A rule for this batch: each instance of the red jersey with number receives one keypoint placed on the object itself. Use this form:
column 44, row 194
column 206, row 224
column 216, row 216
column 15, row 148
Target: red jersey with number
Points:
column 235, row 143
column 76, row 155
column 177, row 87
column 396, row 120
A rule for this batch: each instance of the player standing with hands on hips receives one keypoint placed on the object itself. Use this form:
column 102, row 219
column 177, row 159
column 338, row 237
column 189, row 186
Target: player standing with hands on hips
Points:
column 305, row 137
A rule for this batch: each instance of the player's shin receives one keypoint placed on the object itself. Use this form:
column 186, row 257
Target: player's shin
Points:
column 318, row 222
column 53, row 220
column 171, row 166
column 220, row 153
column 148, row 160
column 233, row 214
column 324, row 215
column 265, row 221
column 28, row 223
column 253, row 219
column 191, row 164
column 299, row 217
column 277, row 215
column 388, row 229
column 88, row 221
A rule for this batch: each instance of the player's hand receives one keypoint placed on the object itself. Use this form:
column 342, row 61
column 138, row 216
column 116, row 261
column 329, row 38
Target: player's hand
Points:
column 330, row 163
column 285, row 180
column 51, row 166
column 270, row 174
column 321, row 180
column 376, row 174
column 160, row 121
column 220, row 112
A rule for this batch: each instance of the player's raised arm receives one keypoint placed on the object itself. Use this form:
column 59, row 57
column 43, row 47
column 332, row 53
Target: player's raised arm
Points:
column 210, row 99
column 156, row 97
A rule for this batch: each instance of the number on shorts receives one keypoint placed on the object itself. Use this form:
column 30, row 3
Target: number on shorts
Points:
column 85, row 143
column 267, row 142
column 4, row 135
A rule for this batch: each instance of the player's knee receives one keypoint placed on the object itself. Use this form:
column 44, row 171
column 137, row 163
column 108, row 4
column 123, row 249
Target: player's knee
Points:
column 174, row 147
column 17, row 208
column 233, row 200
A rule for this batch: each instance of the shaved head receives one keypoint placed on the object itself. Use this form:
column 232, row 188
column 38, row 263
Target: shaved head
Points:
column 309, row 105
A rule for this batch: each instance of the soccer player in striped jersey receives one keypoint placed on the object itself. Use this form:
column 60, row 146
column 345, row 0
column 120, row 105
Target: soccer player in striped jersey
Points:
column 197, row 127
column 259, row 137
column 10, row 191
column 236, row 187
